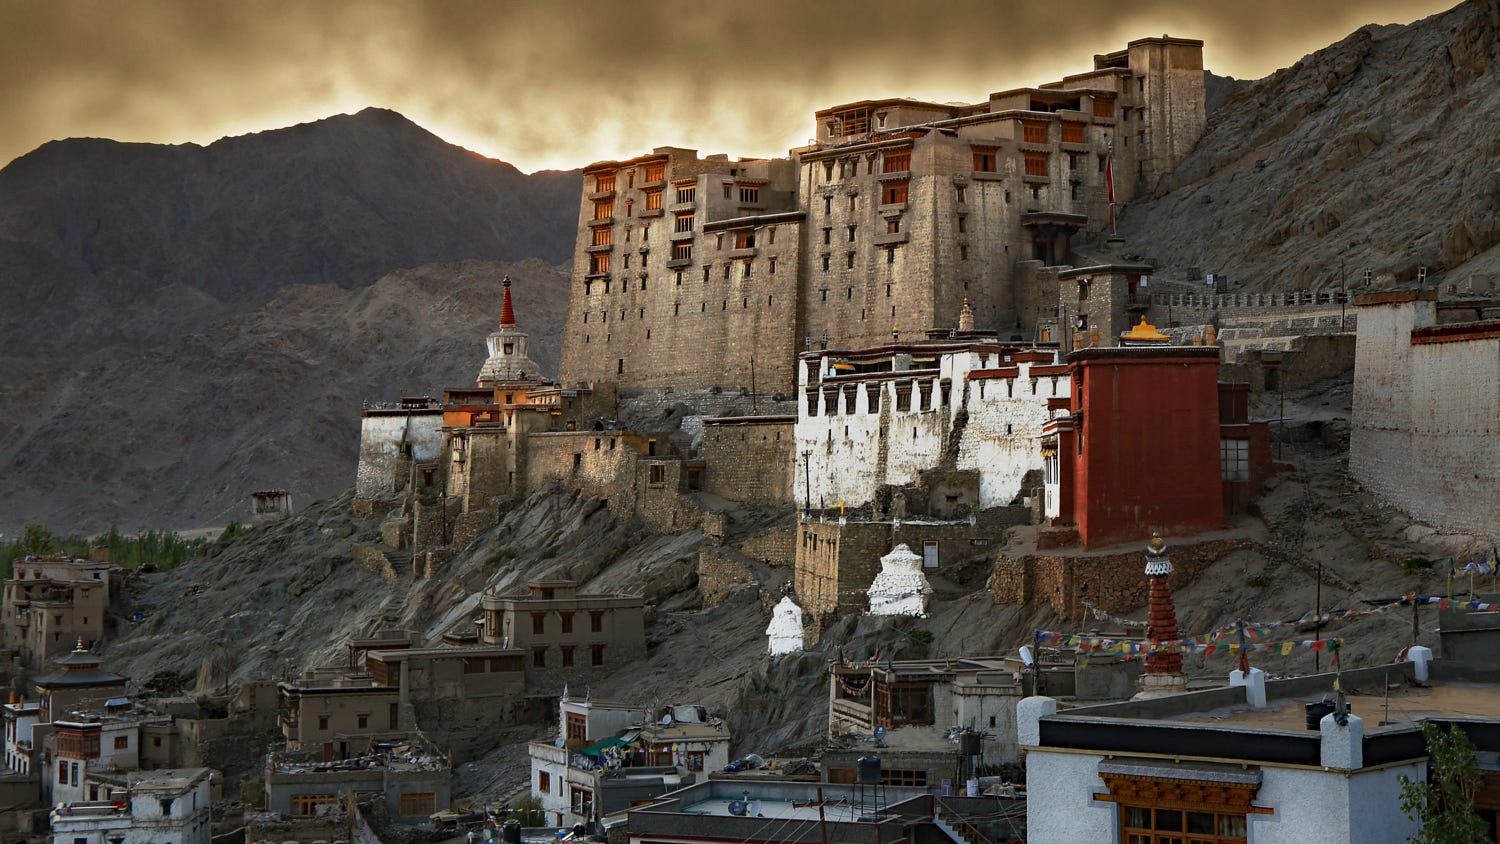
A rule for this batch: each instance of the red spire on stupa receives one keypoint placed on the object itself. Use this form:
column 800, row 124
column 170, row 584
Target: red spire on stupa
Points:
column 507, row 313
column 1161, row 615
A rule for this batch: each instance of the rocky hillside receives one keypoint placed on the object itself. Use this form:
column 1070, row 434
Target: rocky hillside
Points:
column 1379, row 151
column 179, row 434
column 184, row 324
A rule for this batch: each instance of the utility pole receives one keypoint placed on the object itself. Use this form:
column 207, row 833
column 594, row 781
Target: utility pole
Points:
column 822, row 821
column 754, row 409
column 1343, row 297
column 1318, row 615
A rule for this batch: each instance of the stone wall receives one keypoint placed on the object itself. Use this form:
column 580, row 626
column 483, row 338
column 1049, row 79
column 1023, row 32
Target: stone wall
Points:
column 618, row 467
column 1112, row 582
column 1426, row 429
column 718, row 575
column 774, row 547
column 383, row 464
column 749, row 461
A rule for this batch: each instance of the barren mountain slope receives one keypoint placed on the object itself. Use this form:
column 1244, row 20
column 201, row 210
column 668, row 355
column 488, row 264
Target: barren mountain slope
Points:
column 179, row 434
column 1379, row 151
column 185, row 323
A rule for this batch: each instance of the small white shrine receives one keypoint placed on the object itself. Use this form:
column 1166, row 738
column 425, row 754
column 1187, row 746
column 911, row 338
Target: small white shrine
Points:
column 784, row 633
column 901, row 588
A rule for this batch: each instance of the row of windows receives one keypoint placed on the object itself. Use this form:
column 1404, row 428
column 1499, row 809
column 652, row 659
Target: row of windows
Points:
column 539, row 656
column 596, row 617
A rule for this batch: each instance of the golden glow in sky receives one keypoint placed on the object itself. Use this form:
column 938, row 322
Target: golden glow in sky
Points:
column 559, row 84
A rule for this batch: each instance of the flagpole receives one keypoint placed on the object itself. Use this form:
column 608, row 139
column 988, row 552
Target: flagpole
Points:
column 1109, row 175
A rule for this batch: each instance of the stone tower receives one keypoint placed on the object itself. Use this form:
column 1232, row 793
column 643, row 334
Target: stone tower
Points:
column 507, row 359
column 1163, row 670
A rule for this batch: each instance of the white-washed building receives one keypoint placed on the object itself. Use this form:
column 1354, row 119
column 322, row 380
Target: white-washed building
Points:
column 882, row 416
column 20, row 719
column 610, row 755
column 170, row 806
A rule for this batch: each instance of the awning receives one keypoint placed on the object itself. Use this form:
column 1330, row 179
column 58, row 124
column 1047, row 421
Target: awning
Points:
column 599, row 747
column 1195, row 771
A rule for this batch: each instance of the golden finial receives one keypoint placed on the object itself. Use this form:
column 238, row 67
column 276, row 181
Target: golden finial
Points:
column 1157, row 543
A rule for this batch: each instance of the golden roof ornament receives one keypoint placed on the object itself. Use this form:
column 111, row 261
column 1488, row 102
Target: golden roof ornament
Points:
column 1144, row 333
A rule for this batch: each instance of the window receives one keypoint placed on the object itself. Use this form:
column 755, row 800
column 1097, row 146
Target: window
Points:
column 1234, row 460
column 603, row 236
column 567, row 617
column 539, row 657
column 582, row 802
column 322, row 722
column 604, row 209
column 604, row 182
column 658, row 473
column 825, row 263
column 684, row 223
column 577, row 727
column 895, row 162
column 963, row 253
column 1036, row 163
column 543, row 782
column 596, row 654
column 599, row 264
column 364, row 722
column 963, row 224
column 894, row 226
column 728, row 189
column 772, row 269
column 899, row 704
column 892, row 193
column 962, row 193
column 567, row 656
column 849, row 261
column 727, row 270
column 538, row 623
column 62, row 773
column 1104, row 108
column 122, row 742
column 749, row 195
column 1072, row 133
column 304, row 805
column 744, row 240
column 682, row 251
column 827, row 205
column 687, row 193
column 656, row 172
column 1150, row 825
column 418, row 804
column 912, row 777
column 1034, row 133
column 984, row 162
column 653, row 200
column 596, row 621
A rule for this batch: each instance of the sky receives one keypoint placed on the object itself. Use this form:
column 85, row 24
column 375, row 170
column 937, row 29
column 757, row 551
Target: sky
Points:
column 558, row 84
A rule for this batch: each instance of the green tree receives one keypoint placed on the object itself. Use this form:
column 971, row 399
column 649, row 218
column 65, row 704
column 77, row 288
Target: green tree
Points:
column 36, row 539
column 1444, row 803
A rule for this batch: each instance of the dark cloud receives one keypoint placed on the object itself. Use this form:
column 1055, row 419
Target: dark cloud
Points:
column 559, row 83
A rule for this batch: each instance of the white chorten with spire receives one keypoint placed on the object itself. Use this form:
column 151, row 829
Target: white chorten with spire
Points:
column 784, row 633
column 507, row 348
column 901, row 588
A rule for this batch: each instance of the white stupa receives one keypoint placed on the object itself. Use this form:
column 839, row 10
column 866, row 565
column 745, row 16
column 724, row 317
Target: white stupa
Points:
column 784, row 633
column 901, row 588
column 507, row 359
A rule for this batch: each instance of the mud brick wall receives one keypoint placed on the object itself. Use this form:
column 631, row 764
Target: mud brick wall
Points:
column 1115, row 583
column 718, row 575
column 749, row 462
column 775, row 547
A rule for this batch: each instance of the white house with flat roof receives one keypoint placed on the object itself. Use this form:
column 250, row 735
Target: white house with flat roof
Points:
column 1238, row 765
column 168, row 806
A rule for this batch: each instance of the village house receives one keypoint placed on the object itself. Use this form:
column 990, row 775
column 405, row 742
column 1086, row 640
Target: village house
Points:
column 773, row 811
column 565, row 636
column 407, row 772
column 938, row 723
column 20, row 750
column 78, row 682
column 610, row 756
column 51, row 604
column 139, row 807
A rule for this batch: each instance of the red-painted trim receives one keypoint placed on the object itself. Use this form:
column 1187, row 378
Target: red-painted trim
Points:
column 993, row 374
column 1456, row 333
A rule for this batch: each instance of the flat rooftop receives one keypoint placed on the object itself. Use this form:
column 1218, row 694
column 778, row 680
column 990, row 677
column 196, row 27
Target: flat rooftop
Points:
column 833, row 810
column 1408, row 704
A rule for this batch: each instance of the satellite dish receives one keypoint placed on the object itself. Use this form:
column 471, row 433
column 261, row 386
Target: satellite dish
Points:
column 1026, row 655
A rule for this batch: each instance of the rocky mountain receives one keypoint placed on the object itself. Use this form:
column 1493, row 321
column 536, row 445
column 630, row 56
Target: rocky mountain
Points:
column 184, row 324
column 1378, row 151
column 180, row 433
